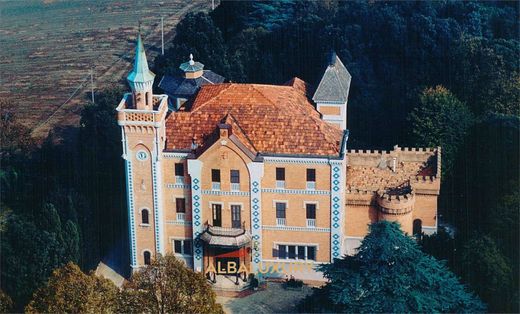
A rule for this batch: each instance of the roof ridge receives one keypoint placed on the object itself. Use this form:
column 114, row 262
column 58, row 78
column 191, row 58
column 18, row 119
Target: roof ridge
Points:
column 263, row 95
column 228, row 85
column 339, row 82
column 241, row 130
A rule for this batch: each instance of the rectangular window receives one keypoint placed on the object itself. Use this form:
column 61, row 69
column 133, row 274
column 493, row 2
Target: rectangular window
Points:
column 179, row 170
column 178, row 246
column 281, row 252
column 301, row 252
column 235, row 176
column 280, row 210
column 182, row 247
column 292, row 251
column 180, row 204
column 311, row 253
column 187, row 247
column 215, row 175
column 236, row 220
column 311, row 175
column 311, row 211
column 280, row 174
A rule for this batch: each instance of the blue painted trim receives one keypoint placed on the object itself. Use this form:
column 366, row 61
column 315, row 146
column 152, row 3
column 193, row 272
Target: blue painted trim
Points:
column 158, row 240
column 194, row 170
column 131, row 222
column 336, row 233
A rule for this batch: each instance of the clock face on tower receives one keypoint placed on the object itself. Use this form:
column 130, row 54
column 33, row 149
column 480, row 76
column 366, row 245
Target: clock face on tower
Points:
column 141, row 155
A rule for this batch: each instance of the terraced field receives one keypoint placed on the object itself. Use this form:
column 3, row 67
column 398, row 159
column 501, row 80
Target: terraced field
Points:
column 49, row 48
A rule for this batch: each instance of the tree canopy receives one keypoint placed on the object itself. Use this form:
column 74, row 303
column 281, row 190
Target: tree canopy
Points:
column 389, row 273
column 440, row 119
column 168, row 286
column 69, row 290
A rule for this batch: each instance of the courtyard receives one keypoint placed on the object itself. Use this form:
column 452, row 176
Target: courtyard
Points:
column 273, row 299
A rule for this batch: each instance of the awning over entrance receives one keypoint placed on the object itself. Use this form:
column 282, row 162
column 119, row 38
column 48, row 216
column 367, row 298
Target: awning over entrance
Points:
column 225, row 237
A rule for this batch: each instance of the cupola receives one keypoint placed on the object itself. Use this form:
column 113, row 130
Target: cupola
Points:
column 192, row 69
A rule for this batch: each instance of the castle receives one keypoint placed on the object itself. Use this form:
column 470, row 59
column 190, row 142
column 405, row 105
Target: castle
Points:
column 222, row 174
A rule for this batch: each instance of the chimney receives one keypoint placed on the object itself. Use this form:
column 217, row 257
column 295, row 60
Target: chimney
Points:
column 394, row 164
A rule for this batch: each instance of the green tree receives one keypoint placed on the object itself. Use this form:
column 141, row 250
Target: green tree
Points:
column 69, row 290
column 486, row 74
column 168, row 286
column 101, row 179
column 71, row 242
column 440, row 119
column 15, row 138
column 6, row 304
column 486, row 269
column 389, row 273
column 198, row 35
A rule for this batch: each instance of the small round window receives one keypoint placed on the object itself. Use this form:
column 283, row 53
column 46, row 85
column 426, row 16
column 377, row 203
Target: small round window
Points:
column 141, row 155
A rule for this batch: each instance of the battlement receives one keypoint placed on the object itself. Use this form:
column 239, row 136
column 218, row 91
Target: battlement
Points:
column 396, row 201
column 373, row 170
column 127, row 115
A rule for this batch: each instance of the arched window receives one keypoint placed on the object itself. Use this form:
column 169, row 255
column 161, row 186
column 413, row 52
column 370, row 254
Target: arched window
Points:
column 145, row 217
column 417, row 227
column 147, row 257
column 147, row 95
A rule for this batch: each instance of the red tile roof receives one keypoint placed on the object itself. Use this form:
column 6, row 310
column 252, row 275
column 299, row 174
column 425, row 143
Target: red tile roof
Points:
column 269, row 119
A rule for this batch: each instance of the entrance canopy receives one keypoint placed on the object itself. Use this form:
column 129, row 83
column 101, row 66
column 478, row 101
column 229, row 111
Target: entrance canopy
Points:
column 226, row 237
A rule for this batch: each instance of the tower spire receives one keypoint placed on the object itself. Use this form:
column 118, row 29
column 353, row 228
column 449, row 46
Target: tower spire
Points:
column 141, row 78
column 140, row 73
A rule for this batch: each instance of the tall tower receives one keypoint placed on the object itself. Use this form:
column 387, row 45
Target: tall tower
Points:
column 331, row 96
column 141, row 116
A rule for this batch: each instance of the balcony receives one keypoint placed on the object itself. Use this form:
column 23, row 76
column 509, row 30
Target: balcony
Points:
column 311, row 223
column 235, row 187
column 179, row 179
column 181, row 216
column 280, row 184
column 226, row 237
column 311, row 185
column 281, row 222
column 215, row 186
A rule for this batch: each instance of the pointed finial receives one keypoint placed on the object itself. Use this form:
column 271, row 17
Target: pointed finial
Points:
column 332, row 57
column 191, row 59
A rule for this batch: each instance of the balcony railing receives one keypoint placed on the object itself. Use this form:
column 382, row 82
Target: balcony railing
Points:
column 280, row 184
column 215, row 186
column 181, row 216
column 311, row 185
column 311, row 223
column 235, row 187
column 280, row 221
column 179, row 179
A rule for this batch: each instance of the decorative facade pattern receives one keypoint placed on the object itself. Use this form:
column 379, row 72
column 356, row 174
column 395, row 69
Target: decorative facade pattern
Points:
column 256, row 172
column 336, row 234
column 194, row 169
column 131, row 213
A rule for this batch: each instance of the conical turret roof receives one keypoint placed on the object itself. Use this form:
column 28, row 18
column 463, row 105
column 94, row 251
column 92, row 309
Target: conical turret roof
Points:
column 140, row 73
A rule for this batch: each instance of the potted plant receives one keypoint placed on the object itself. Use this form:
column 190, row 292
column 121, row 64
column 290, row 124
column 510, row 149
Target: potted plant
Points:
column 293, row 284
column 254, row 282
